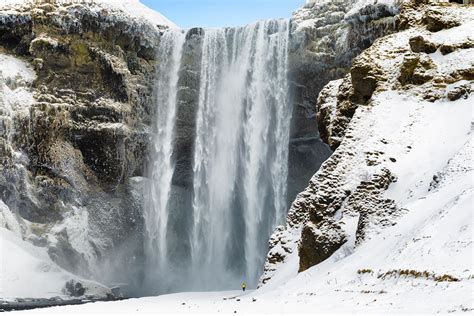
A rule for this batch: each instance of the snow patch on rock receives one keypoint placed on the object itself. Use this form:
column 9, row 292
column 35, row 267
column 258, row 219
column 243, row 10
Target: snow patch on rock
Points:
column 128, row 9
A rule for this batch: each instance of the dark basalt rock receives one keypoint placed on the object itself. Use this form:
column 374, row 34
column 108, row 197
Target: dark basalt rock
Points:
column 187, row 100
column 16, row 32
column 74, row 289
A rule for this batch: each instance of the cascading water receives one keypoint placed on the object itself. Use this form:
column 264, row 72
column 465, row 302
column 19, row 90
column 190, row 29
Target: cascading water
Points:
column 156, row 210
column 239, row 163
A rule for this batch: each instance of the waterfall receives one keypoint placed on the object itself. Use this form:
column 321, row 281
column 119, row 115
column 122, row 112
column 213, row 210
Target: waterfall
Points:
column 156, row 210
column 239, row 163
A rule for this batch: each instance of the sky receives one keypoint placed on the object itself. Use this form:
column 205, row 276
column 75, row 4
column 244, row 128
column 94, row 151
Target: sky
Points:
column 219, row 13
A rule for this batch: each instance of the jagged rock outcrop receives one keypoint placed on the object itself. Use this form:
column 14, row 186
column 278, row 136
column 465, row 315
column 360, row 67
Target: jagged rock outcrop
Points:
column 355, row 118
column 77, row 135
column 325, row 37
column 419, row 44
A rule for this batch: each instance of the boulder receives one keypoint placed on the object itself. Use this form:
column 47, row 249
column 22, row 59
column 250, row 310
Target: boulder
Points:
column 74, row 288
column 448, row 48
column 419, row 44
column 459, row 90
column 364, row 77
column 319, row 242
column 435, row 20
column 416, row 70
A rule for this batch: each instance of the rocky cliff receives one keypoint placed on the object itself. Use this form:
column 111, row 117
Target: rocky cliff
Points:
column 76, row 109
column 325, row 37
column 383, row 120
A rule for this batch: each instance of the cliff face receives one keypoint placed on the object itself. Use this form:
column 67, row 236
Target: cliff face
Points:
column 325, row 37
column 383, row 120
column 75, row 133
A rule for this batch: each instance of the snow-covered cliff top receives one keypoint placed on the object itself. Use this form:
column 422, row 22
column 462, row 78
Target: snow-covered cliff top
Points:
column 357, row 5
column 132, row 8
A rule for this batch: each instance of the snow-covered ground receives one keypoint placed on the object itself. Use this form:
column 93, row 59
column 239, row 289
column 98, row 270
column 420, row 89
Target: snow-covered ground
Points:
column 136, row 10
column 27, row 271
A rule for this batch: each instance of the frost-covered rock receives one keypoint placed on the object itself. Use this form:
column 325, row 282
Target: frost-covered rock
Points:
column 324, row 40
column 76, row 103
column 124, row 10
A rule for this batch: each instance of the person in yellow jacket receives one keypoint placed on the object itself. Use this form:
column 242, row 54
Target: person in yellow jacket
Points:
column 244, row 286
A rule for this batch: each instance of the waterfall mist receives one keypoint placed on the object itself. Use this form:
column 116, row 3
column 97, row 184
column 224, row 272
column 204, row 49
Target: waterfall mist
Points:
column 208, row 226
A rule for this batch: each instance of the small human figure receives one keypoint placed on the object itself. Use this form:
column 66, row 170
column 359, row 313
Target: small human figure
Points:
column 244, row 286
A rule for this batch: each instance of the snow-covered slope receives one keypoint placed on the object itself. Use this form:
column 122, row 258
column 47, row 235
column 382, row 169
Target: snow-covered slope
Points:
column 27, row 271
column 135, row 9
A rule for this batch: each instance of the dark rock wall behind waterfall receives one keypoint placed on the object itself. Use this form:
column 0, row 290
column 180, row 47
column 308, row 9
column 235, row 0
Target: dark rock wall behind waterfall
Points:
column 182, row 182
